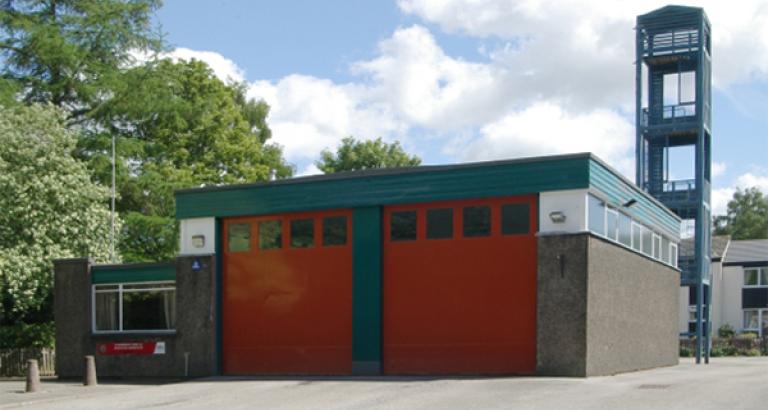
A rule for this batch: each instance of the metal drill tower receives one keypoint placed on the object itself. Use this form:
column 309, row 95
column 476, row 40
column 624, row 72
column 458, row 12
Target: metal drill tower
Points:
column 673, row 97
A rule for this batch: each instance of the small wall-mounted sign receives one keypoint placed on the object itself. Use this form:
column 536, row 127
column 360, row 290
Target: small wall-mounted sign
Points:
column 130, row 348
column 198, row 241
column 196, row 265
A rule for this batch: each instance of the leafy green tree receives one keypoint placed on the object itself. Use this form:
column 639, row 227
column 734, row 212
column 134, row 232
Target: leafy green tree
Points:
column 50, row 209
column 71, row 52
column 747, row 216
column 176, row 126
column 354, row 155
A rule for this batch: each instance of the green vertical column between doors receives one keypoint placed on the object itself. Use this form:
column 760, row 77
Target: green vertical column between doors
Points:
column 366, row 290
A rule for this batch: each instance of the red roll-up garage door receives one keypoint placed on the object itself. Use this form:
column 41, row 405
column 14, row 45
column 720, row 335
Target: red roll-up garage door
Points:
column 287, row 294
column 459, row 286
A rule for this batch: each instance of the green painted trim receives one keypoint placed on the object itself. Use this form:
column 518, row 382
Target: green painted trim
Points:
column 219, row 297
column 140, row 272
column 388, row 187
column 617, row 191
column 366, row 284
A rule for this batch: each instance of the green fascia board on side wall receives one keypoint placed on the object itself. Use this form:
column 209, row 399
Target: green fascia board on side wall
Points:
column 617, row 191
column 131, row 273
column 425, row 184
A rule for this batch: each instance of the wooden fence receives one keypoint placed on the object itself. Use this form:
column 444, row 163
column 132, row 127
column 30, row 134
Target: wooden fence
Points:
column 13, row 362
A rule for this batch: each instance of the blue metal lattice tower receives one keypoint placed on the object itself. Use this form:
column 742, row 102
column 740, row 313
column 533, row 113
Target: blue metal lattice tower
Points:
column 673, row 111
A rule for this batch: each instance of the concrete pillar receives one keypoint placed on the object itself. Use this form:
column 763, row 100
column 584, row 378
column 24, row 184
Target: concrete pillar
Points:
column 89, row 378
column 33, row 376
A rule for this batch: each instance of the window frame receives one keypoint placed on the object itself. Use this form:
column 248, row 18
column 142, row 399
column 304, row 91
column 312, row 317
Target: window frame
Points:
column 161, row 286
column 759, row 313
column 759, row 273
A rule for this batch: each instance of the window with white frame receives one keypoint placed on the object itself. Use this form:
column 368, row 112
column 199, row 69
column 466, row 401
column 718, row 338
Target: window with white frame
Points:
column 673, row 254
column 612, row 224
column 756, row 277
column 596, row 215
column 756, row 320
column 656, row 246
column 134, row 307
column 637, row 236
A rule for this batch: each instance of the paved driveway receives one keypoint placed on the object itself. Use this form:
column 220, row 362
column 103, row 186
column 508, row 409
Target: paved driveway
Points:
column 727, row 383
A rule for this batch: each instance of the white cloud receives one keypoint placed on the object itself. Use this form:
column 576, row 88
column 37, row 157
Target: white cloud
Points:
column 224, row 68
column 575, row 44
column 308, row 114
column 718, row 169
column 546, row 128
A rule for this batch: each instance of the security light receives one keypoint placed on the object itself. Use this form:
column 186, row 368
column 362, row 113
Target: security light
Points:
column 629, row 203
column 198, row 241
column 557, row 217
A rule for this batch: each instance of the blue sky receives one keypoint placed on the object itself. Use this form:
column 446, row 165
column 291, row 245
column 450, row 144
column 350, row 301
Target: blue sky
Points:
column 460, row 80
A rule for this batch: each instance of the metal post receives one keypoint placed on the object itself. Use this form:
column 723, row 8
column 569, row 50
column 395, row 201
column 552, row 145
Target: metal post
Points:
column 112, row 208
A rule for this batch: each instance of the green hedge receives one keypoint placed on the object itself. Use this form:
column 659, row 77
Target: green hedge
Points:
column 24, row 335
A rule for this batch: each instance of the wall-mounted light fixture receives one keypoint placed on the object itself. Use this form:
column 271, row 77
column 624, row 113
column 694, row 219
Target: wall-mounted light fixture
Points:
column 557, row 217
column 198, row 241
column 629, row 203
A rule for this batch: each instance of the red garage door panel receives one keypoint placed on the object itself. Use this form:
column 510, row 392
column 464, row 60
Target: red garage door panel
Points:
column 287, row 294
column 456, row 303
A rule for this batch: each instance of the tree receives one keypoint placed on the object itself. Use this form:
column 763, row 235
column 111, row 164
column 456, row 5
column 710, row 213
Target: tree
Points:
column 176, row 126
column 747, row 216
column 355, row 155
column 70, row 53
column 50, row 209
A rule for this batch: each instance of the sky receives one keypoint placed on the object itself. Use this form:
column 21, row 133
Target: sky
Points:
column 473, row 80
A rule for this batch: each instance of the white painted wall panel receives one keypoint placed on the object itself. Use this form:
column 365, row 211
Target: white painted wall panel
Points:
column 198, row 226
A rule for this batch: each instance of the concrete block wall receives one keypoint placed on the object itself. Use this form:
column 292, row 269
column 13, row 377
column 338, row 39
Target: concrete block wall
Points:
column 189, row 351
column 603, row 309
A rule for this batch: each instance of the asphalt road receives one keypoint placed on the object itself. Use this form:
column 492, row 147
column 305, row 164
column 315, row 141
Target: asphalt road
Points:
column 727, row 383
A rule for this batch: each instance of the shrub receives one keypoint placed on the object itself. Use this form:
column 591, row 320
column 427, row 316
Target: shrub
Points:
column 726, row 331
column 752, row 352
column 22, row 335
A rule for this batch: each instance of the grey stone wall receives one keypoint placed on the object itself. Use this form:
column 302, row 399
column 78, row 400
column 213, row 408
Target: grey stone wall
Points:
column 632, row 311
column 71, row 312
column 602, row 309
column 189, row 351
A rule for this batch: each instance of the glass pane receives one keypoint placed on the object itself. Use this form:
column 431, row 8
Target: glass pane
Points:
column 239, row 237
column 764, row 277
column 691, row 314
column 750, row 319
column 637, row 238
column 673, row 254
column 270, row 235
column 515, row 219
column 477, row 221
column 647, row 241
column 656, row 246
column 750, row 277
column 612, row 218
column 149, row 310
column 106, row 311
column 596, row 215
column 302, row 233
column 439, row 223
column 403, row 226
column 334, row 230
column 625, row 230
column 665, row 250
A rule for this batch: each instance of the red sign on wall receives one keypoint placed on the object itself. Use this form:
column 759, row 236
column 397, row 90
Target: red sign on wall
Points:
column 128, row 348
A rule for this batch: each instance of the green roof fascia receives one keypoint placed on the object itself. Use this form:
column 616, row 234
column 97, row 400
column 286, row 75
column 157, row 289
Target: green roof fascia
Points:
column 388, row 186
column 131, row 273
column 617, row 191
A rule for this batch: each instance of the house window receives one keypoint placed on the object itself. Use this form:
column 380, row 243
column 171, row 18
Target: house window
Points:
column 596, row 215
column 637, row 236
column 665, row 251
column 440, row 223
column 270, row 235
column 402, row 226
column 302, row 233
column 625, row 230
column 656, row 246
column 647, row 241
column 334, row 231
column 756, row 276
column 134, row 307
column 239, row 237
column 477, row 221
column 752, row 320
column 515, row 219
column 612, row 224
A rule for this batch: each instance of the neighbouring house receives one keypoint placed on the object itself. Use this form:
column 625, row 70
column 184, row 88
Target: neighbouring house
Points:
column 739, row 287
